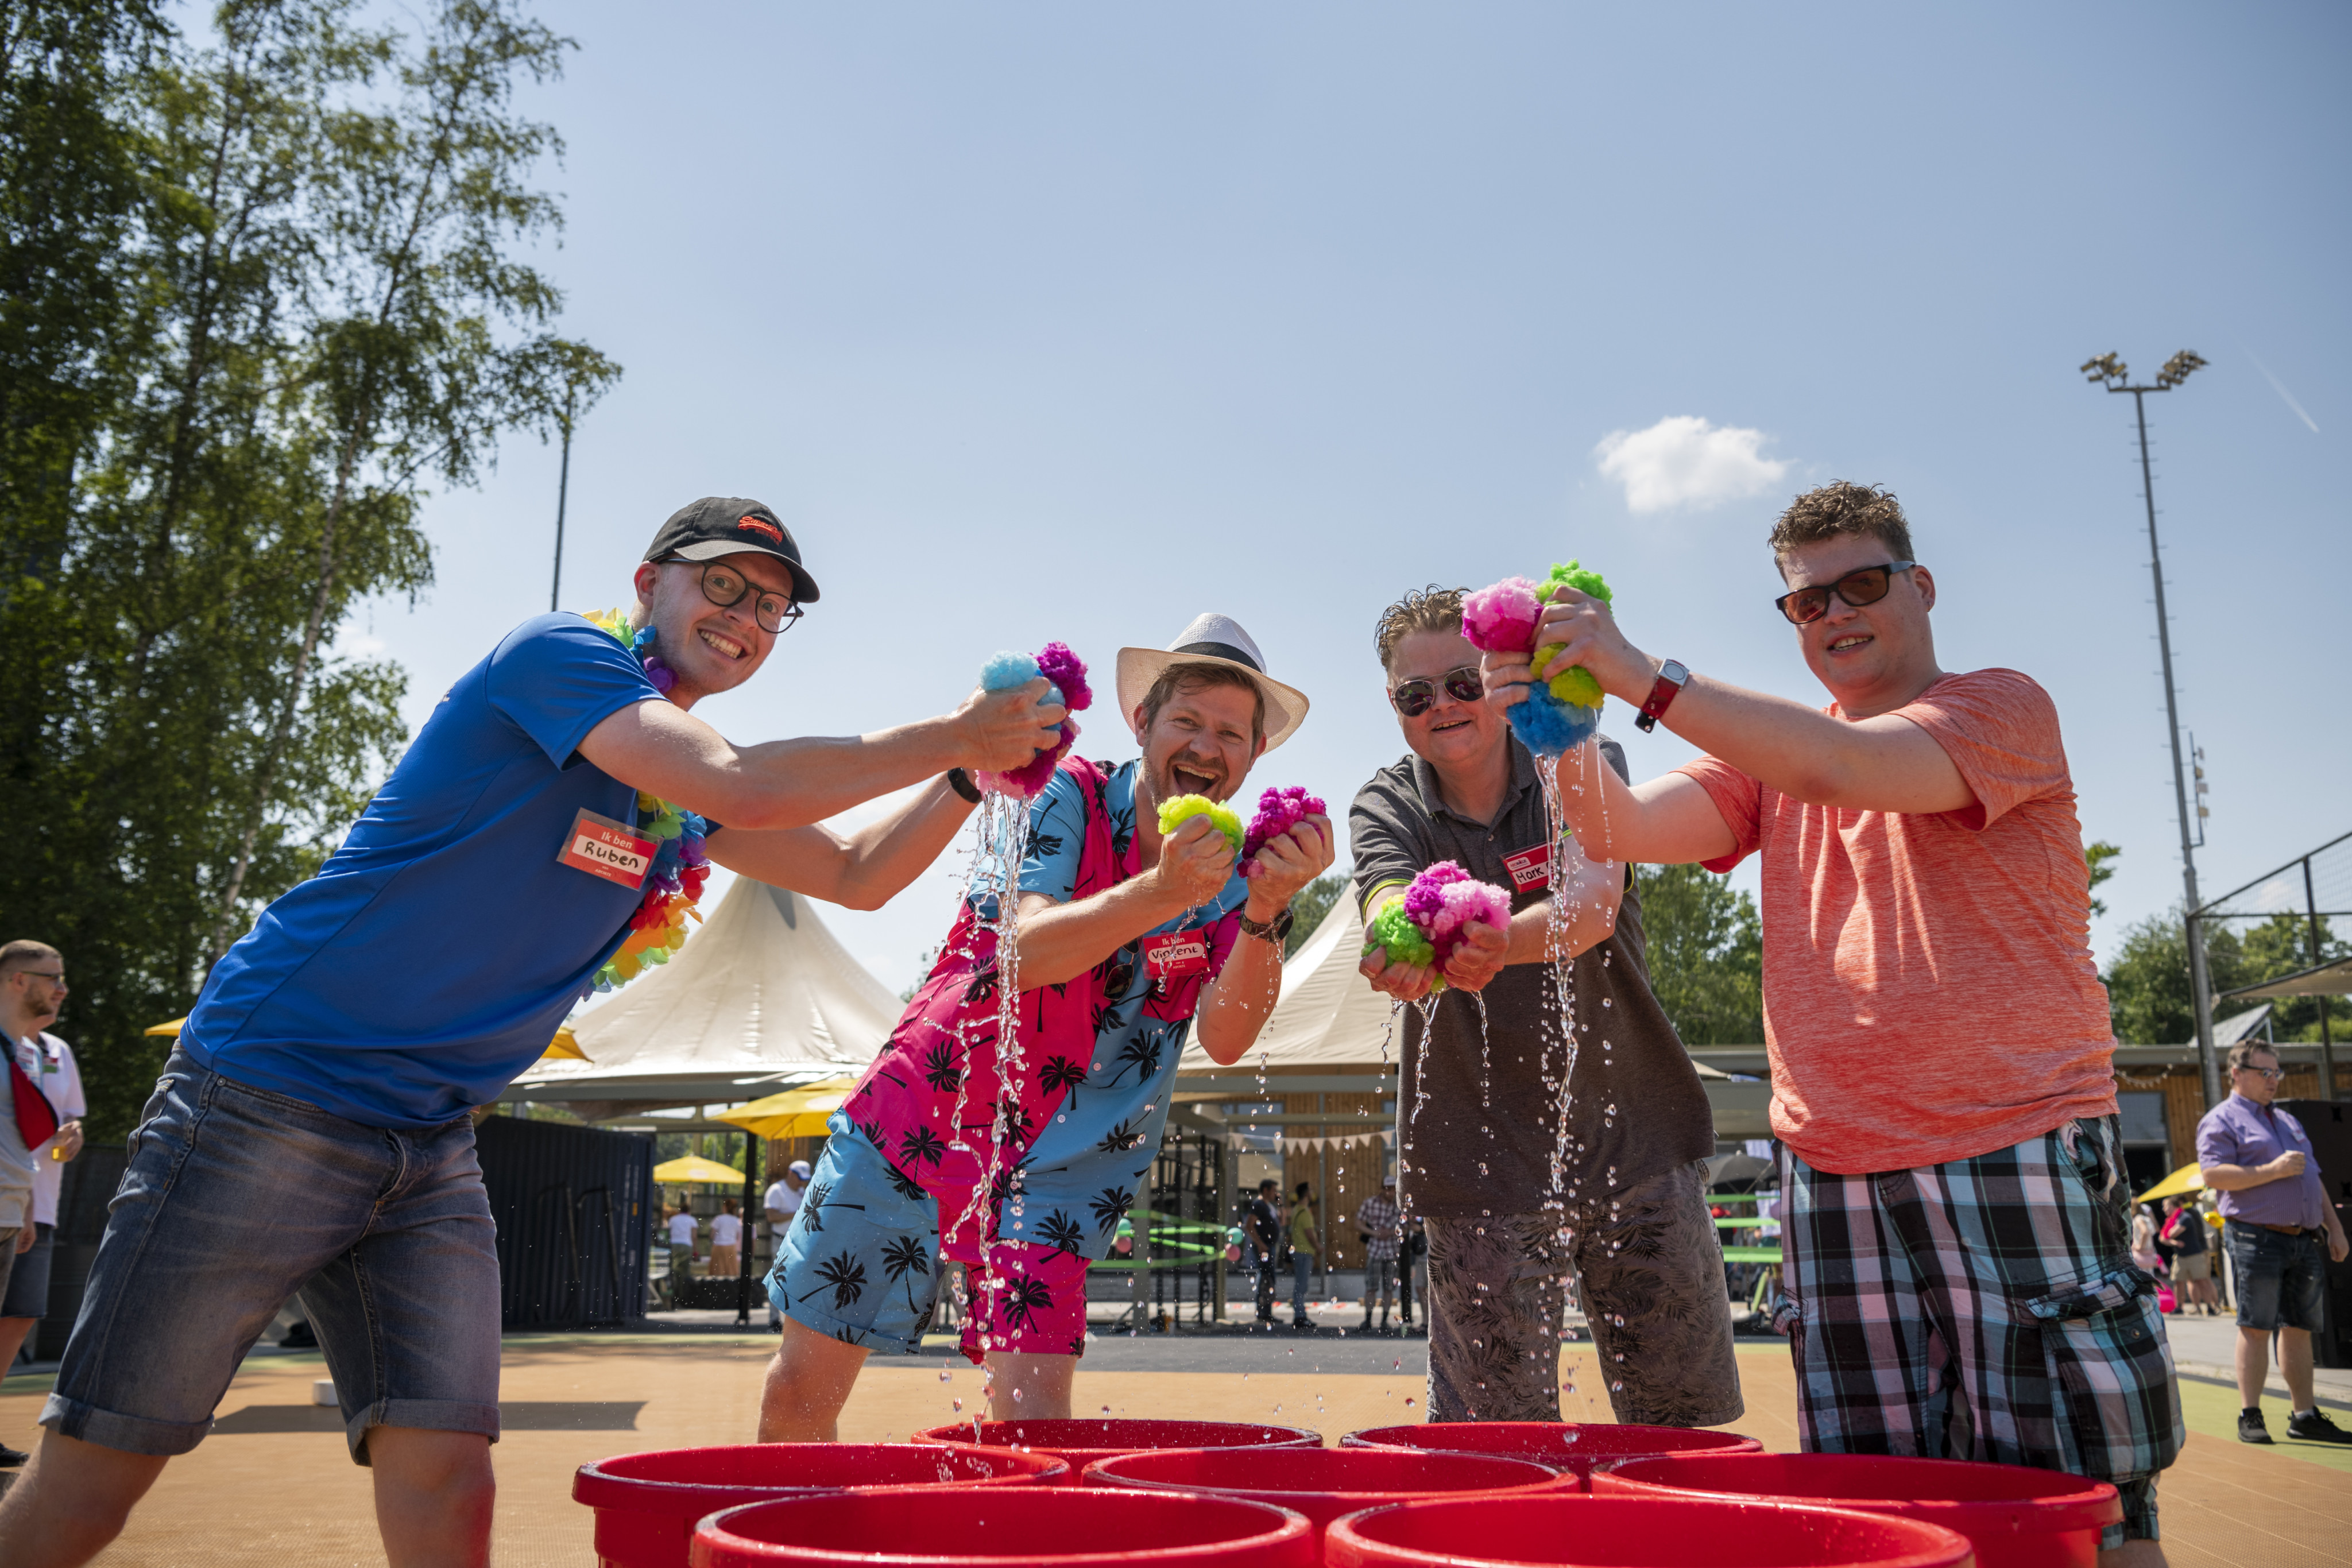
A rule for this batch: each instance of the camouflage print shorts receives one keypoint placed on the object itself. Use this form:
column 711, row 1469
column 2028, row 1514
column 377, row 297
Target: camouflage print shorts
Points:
column 1651, row 1281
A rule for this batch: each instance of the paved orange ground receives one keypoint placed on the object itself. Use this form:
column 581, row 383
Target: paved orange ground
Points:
column 251, row 1495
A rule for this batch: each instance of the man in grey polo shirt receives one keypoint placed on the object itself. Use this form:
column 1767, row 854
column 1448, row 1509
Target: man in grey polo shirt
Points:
column 2281, row 1232
column 1478, row 1120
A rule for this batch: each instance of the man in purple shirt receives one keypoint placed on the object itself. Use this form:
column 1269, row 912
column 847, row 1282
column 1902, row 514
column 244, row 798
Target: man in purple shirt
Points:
column 2275, row 1213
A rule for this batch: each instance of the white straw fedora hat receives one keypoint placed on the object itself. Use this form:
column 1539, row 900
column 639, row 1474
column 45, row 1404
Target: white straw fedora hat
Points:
column 1213, row 640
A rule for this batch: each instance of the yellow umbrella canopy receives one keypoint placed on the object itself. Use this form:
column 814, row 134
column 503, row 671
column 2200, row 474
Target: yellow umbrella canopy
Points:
column 2188, row 1178
column 695, row 1169
column 172, row 1029
column 795, row 1114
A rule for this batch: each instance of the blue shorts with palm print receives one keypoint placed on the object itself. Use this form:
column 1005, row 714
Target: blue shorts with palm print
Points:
column 861, row 1263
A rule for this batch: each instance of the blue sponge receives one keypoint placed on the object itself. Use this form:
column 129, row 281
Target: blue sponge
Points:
column 1550, row 727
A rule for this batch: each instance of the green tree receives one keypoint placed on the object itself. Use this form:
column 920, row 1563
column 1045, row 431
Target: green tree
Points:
column 1312, row 902
column 2097, row 855
column 302, row 312
column 2148, row 983
column 1704, row 948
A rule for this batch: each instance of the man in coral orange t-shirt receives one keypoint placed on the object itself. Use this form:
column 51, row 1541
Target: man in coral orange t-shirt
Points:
column 1942, row 1078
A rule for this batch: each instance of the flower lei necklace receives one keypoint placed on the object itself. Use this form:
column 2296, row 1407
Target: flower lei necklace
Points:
column 674, row 882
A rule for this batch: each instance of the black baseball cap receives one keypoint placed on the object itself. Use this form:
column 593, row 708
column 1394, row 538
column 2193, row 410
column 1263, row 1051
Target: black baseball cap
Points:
column 722, row 525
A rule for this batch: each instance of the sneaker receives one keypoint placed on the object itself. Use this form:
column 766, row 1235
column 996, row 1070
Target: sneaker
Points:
column 11, row 1457
column 2251, row 1428
column 2309, row 1427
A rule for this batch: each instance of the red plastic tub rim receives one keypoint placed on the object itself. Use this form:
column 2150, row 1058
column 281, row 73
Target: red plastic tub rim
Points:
column 1084, row 1439
column 1562, row 1444
column 885, row 1525
column 1321, row 1483
column 1971, row 1498
column 687, row 1483
column 1586, row 1531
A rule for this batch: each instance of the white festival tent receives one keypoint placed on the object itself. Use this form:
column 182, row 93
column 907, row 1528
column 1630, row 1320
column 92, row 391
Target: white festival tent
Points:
column 761, row 998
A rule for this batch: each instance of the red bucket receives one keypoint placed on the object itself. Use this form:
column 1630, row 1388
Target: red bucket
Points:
column 647, row 1503
column 1082, row 1441
column 2017, row 1518
column 1051, row 1527
column 1562, row 1445
column 1577, row 1532
column 1321, row 1483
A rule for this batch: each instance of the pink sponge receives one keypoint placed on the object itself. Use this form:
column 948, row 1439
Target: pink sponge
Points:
column 1278, row 811
column 1502, row 619
column 1444, row 899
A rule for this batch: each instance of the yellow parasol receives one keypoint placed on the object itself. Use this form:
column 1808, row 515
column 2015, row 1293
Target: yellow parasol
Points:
column 2188, row 1178
column 172, row 1029
column 795, row 1114
column 695, row 1169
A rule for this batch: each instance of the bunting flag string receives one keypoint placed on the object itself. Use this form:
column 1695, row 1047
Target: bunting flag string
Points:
column 1300, row 1145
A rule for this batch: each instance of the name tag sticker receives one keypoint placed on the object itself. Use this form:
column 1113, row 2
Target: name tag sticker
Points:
column 1174, row 953
column 1529, row 869
column 603, row 847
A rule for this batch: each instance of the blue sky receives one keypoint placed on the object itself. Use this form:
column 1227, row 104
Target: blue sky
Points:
column 1063, row 321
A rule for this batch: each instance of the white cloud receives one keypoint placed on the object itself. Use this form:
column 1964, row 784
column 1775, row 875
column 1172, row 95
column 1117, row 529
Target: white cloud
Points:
column 1684, row 461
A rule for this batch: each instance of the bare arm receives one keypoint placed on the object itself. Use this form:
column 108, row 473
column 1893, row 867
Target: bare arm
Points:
column 2238, row 1178
column 1236, row 1003
column 1062, row 941
column 659, row 747
column 864, row 870
column 1880, row 764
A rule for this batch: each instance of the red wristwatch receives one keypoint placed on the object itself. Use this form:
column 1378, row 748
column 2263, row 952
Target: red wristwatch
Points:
column 1671, row 677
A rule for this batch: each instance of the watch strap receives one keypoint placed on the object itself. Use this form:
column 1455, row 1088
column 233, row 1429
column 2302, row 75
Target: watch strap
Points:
column 1663, row 692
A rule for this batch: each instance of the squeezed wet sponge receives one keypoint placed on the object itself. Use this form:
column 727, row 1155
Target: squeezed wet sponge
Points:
column 1278, row 811
column 1562, row 713
column 1069, row 689
column 1426, row 923
column 1172, row 814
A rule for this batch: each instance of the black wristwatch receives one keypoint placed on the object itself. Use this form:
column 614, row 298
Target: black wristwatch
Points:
column 961, row 782
column 1277, row 930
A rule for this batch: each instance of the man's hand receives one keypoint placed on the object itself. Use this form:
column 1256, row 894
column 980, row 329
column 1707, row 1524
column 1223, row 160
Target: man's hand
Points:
column 68, row 1137
column 1196, row 861
column 1287, row 863
column 1587, row 635
column 1405, row 982
column 1481, row 957
column 2289, row 1164
column 27, row 1234
column 2337, row 1247
column 1004, row 729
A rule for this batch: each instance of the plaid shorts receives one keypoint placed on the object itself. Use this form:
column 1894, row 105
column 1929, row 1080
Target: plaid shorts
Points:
column 1985, row 1308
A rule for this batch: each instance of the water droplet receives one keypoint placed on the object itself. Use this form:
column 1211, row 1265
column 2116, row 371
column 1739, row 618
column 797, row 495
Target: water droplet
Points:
column 959, row 1405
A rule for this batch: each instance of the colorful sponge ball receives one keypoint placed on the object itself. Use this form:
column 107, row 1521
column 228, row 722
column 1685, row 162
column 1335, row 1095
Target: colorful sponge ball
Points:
column 1173, row 813
column 1562, row 713
column 1068, row 674
column 1278, row 811
column 1428, row 924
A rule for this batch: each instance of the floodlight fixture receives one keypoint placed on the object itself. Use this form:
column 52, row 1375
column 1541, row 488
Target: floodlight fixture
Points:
column 2175, row 368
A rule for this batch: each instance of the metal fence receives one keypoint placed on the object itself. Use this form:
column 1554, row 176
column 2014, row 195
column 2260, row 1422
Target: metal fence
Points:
column 574, row 1208
column 2310, row 890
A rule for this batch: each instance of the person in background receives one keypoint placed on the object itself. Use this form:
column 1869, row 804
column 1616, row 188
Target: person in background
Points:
column 682, row 1226
column 2143, row 1239
column 2193, row 1255
column 2282, row 1233
column 1377, row 1222
column 1265, row 1217
column 726, row 1241
column 32, row 990
column 783, row 1201
column 1412, row 1273
column 1304, row 1225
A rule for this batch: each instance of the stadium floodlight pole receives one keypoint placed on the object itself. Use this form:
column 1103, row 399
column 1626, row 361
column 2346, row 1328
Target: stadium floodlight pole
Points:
column 2111, row 372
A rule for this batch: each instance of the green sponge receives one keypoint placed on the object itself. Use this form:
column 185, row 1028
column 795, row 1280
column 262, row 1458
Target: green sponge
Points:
column 1393, row 932
column 1174, row 813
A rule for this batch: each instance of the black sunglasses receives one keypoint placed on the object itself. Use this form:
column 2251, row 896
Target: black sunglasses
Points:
column 1413, row 697
column 1864, row 585
column 725, row 587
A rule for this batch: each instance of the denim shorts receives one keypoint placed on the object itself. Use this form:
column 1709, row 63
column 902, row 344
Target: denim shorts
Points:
column 2280, row 1278
column 237, row 1198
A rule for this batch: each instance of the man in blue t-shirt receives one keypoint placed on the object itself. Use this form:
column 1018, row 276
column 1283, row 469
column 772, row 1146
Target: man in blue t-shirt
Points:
column 312, row 1132
column 1018, row 1159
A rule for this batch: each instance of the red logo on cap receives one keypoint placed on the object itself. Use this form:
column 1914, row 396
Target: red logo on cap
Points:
column 759, row 527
